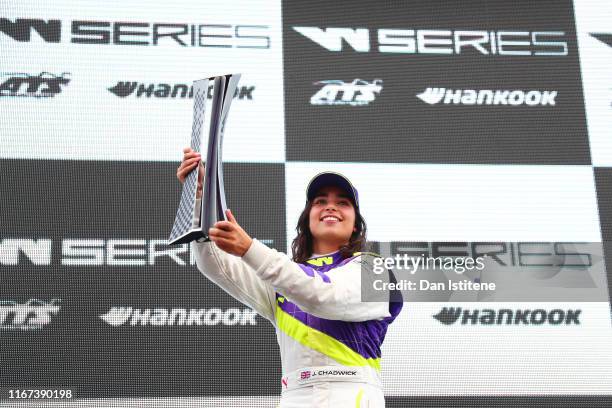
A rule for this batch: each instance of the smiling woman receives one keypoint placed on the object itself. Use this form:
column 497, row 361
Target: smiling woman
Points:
column 332, row 219
column 329, row 339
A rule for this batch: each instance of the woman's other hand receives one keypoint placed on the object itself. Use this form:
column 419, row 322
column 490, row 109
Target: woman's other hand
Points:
column 191, row 159
column 229, row 236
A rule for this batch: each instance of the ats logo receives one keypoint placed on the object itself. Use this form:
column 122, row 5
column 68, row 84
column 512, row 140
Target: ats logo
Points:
column 34, row 314
column 43, row 85
column 163, row 90
column 356, row 93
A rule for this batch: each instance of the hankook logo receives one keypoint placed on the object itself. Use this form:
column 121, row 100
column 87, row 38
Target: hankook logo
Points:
column 442, row 42
column 164, row 90
column 451, row 315
column 119, row 316
column 138, row 33
column 516, row 97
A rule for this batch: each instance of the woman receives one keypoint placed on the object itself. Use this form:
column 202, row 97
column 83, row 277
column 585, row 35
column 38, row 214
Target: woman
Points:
column 329, row 340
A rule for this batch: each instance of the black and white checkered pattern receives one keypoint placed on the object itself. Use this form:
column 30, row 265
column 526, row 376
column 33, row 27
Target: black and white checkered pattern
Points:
column 427, row 171
column 183, row 224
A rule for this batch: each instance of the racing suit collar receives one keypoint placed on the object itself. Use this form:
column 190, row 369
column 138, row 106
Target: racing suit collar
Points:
column 327, row 259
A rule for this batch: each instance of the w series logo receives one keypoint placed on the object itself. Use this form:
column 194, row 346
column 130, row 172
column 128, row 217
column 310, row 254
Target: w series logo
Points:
column 225, row 36
column 439, row 41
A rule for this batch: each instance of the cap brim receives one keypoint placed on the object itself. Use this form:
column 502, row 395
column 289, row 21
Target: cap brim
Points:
column 330, row 179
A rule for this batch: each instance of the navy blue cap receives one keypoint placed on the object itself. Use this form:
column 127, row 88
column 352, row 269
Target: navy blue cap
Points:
column 330, row 178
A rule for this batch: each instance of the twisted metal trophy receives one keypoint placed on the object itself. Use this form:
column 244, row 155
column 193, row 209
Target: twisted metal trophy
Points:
column 194, row 217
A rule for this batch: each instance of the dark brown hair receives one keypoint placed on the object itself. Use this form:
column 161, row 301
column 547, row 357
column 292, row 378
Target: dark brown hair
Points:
column 301, row 247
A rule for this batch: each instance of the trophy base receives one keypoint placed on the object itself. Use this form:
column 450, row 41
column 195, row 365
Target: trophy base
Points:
column 194, row 235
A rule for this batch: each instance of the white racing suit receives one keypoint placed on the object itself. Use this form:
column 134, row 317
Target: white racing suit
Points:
column 329, row 339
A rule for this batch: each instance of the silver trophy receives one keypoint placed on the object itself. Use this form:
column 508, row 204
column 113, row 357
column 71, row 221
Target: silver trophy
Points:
column 194, row 217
